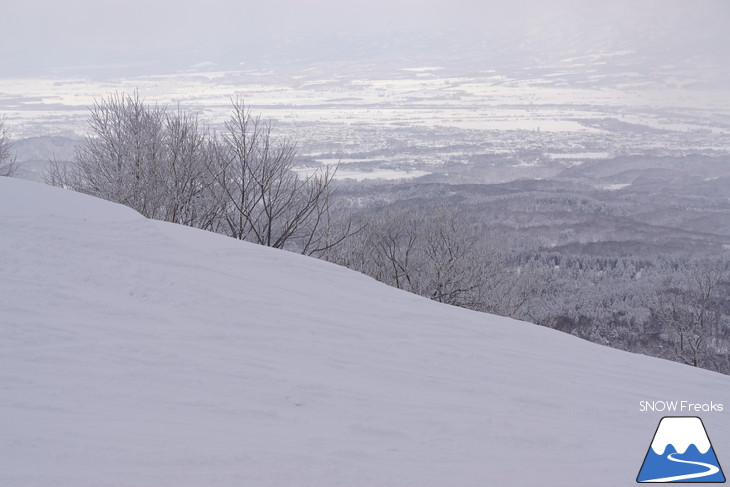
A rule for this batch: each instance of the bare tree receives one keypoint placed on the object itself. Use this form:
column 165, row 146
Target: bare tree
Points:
column 8, row 164
column 690, row 309
column 514, row 290
column 438, row 255
column 330, row 227
column 455, row 264
column 142, row 156
column 266, row 201
column 242, row 183
column 123, row 157
column 188, row 188
column 395, row 242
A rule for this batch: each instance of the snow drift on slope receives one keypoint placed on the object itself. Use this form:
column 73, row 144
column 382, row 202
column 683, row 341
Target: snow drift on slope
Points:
column 141, row 353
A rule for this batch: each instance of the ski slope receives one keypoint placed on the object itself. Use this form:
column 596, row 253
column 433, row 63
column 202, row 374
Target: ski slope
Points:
column 140, row 353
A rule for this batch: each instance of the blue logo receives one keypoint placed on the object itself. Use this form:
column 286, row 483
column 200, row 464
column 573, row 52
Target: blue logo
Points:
column 681, row 452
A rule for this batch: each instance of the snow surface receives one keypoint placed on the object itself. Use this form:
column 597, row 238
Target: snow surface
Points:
column 140, row 353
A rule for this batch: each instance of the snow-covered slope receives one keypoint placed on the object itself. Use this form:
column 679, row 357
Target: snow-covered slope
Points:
column 140, row 353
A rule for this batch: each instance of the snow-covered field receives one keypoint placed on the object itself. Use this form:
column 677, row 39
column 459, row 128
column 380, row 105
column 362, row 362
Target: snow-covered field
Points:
column 140, row 353
column 381, row 174
column 44, row 105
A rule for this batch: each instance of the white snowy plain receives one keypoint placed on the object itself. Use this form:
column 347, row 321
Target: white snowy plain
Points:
column 139, row 353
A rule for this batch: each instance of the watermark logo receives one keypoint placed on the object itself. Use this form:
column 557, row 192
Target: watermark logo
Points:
column 681, row 452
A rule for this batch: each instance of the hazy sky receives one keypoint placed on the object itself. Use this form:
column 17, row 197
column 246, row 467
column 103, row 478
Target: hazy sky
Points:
column 44, row 32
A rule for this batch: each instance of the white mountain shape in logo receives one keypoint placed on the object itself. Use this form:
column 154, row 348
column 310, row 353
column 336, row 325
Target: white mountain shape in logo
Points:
column 681, row 432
